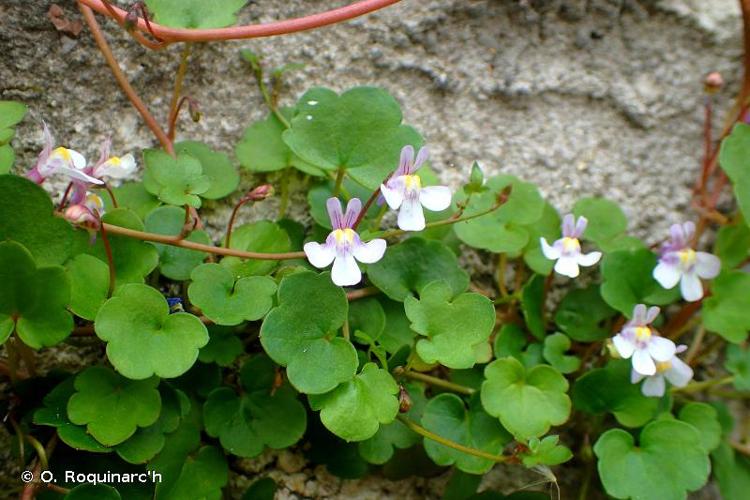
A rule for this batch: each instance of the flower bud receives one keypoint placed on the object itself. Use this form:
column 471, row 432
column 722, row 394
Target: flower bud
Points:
column 131, row 19
column 713, row 82
column 194, row 110
column 259, row 193
column 404, row 400
column 82, row 216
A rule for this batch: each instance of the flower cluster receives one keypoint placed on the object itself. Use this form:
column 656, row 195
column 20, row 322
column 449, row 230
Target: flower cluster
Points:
column 654, row 357
column 84, row 207
column 402, row 191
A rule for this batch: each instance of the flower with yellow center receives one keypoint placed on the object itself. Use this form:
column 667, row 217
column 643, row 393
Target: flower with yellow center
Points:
column 567, row 250
column 639, row 341
column 675, row 371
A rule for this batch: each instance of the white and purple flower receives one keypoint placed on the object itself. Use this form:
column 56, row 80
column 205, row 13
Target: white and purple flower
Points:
column 114, row 167
column 641, row 342
column 679, row 263
column 61, row 160
column 567, row 250
column 676, row 371
column 343, row 246
column 87, row 213
column 403, row 191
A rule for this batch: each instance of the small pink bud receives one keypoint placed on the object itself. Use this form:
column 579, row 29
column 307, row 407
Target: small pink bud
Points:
column 82, row 216
column 713, row 82
column 260, row 193
column 131, row 19
column 195, row 110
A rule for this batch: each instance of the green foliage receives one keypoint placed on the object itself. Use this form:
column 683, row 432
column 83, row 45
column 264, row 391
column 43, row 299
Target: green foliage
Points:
column 608, row 390
column 527, row 403
column 263, row 415
column 447, row 416
column 301, row 333
column 93, row 492
column 133, row 195
column 733, row 244
column 411, row 265
column 195, row 13
column 546, row 451
column 583, row 314
column 143, row 338
column 222, row 175
column 262, row 236
column 738, row 363
column 11, row 112
column 501, row 231
column 89, row 284
column 548, row 226
column 355, row 409
column 223, row 346
column 111, row 406
column 555, row 347
column 359, row 130
column 727, row 310
column 668, row 461
column 628, row 280
column 174, row 262
column 532, row 306
column 227, row 300
column 48, row 238
column 607, row 224
column 33, row 299
column 732, row 472
column 733, row 158
column 511, row 341
column 175, row 180
column 457, row 329
column 705, row 419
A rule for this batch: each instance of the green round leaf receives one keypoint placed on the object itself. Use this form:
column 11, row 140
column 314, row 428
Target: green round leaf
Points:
column 727, row 310
column 262, row 416
column 532, row 306
column 222, row 175
column 705, row 419
column 732, row 471
column 548, row 226
column 546, row 451
column 583, row 315
column 733, row 158
column 355, row 409
column 606, row 220
column 511, row 340
column 143, row 339
column 195, row 13
column 454, row 327
column 93, row 492
column 261, row 236
column 555, row 346
column 174, row 262
column 609, row 390
column 11, row 112
column 359, row 130
column 175, row 180
column 229, row 301
column 628, row 281
column 501, row 230
column 408, row 267
column 134, row 259
column 133, row 195
column 527, row 403
column 223, row 346
column 33, row 300
column 397, row 332
column 262, row 489
column 111, row 406
column 301, row 333
column 733, row 244
column 738, row 363
column 89, row 280
column 446, row 416
column 7, row 158
column 668, row 461
column 48, row 238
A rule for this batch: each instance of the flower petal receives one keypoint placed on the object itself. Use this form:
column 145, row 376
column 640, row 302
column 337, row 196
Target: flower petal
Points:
column 636, row 377
column 661, row 349
column 405, row 162
column 319, row 255
column 335, row 213
column 369, row 252
column 652, row 313
column 642, row 362
column 625, row 347
column 639, row 315
column 80, row 175
column 345, row 270
column 551, row 252
column 691, row 287
column 707, row 266
column 654, row 386
column 667, row 275
column 353, row 209
column 435, row 198
column 393, row 193
column 78, row 159
column 116, row 168
column 411, row 216
column 569, row 226
column 679, row 374
column 567, row 265
column 589, row 259
column 422, row 155
column 581, row 224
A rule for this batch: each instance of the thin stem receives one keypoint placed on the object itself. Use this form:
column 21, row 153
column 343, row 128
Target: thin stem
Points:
column 27, row 355
column 705, row 384
column 64, row 199
column 345, row 329
column 122, row 80
column 40, row 452
column 368, row 204
column 437, row 382
column 110, row 259
column 169, row 240
column 175, row 104
column 696, row 345
column 20, row 435
column 502, row 266
column 115, row 14
column 451, row 444
column 230, row 224
column 111, row 194
column 171, row 35
column 362, row 293
column 269, row 100
column 339, row 181
column 742, row 448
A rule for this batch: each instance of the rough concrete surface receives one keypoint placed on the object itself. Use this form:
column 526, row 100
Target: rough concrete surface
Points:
column 583, row 97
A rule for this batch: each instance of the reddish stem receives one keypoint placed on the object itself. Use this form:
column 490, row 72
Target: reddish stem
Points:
column 171, row 35
column 110, row 259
